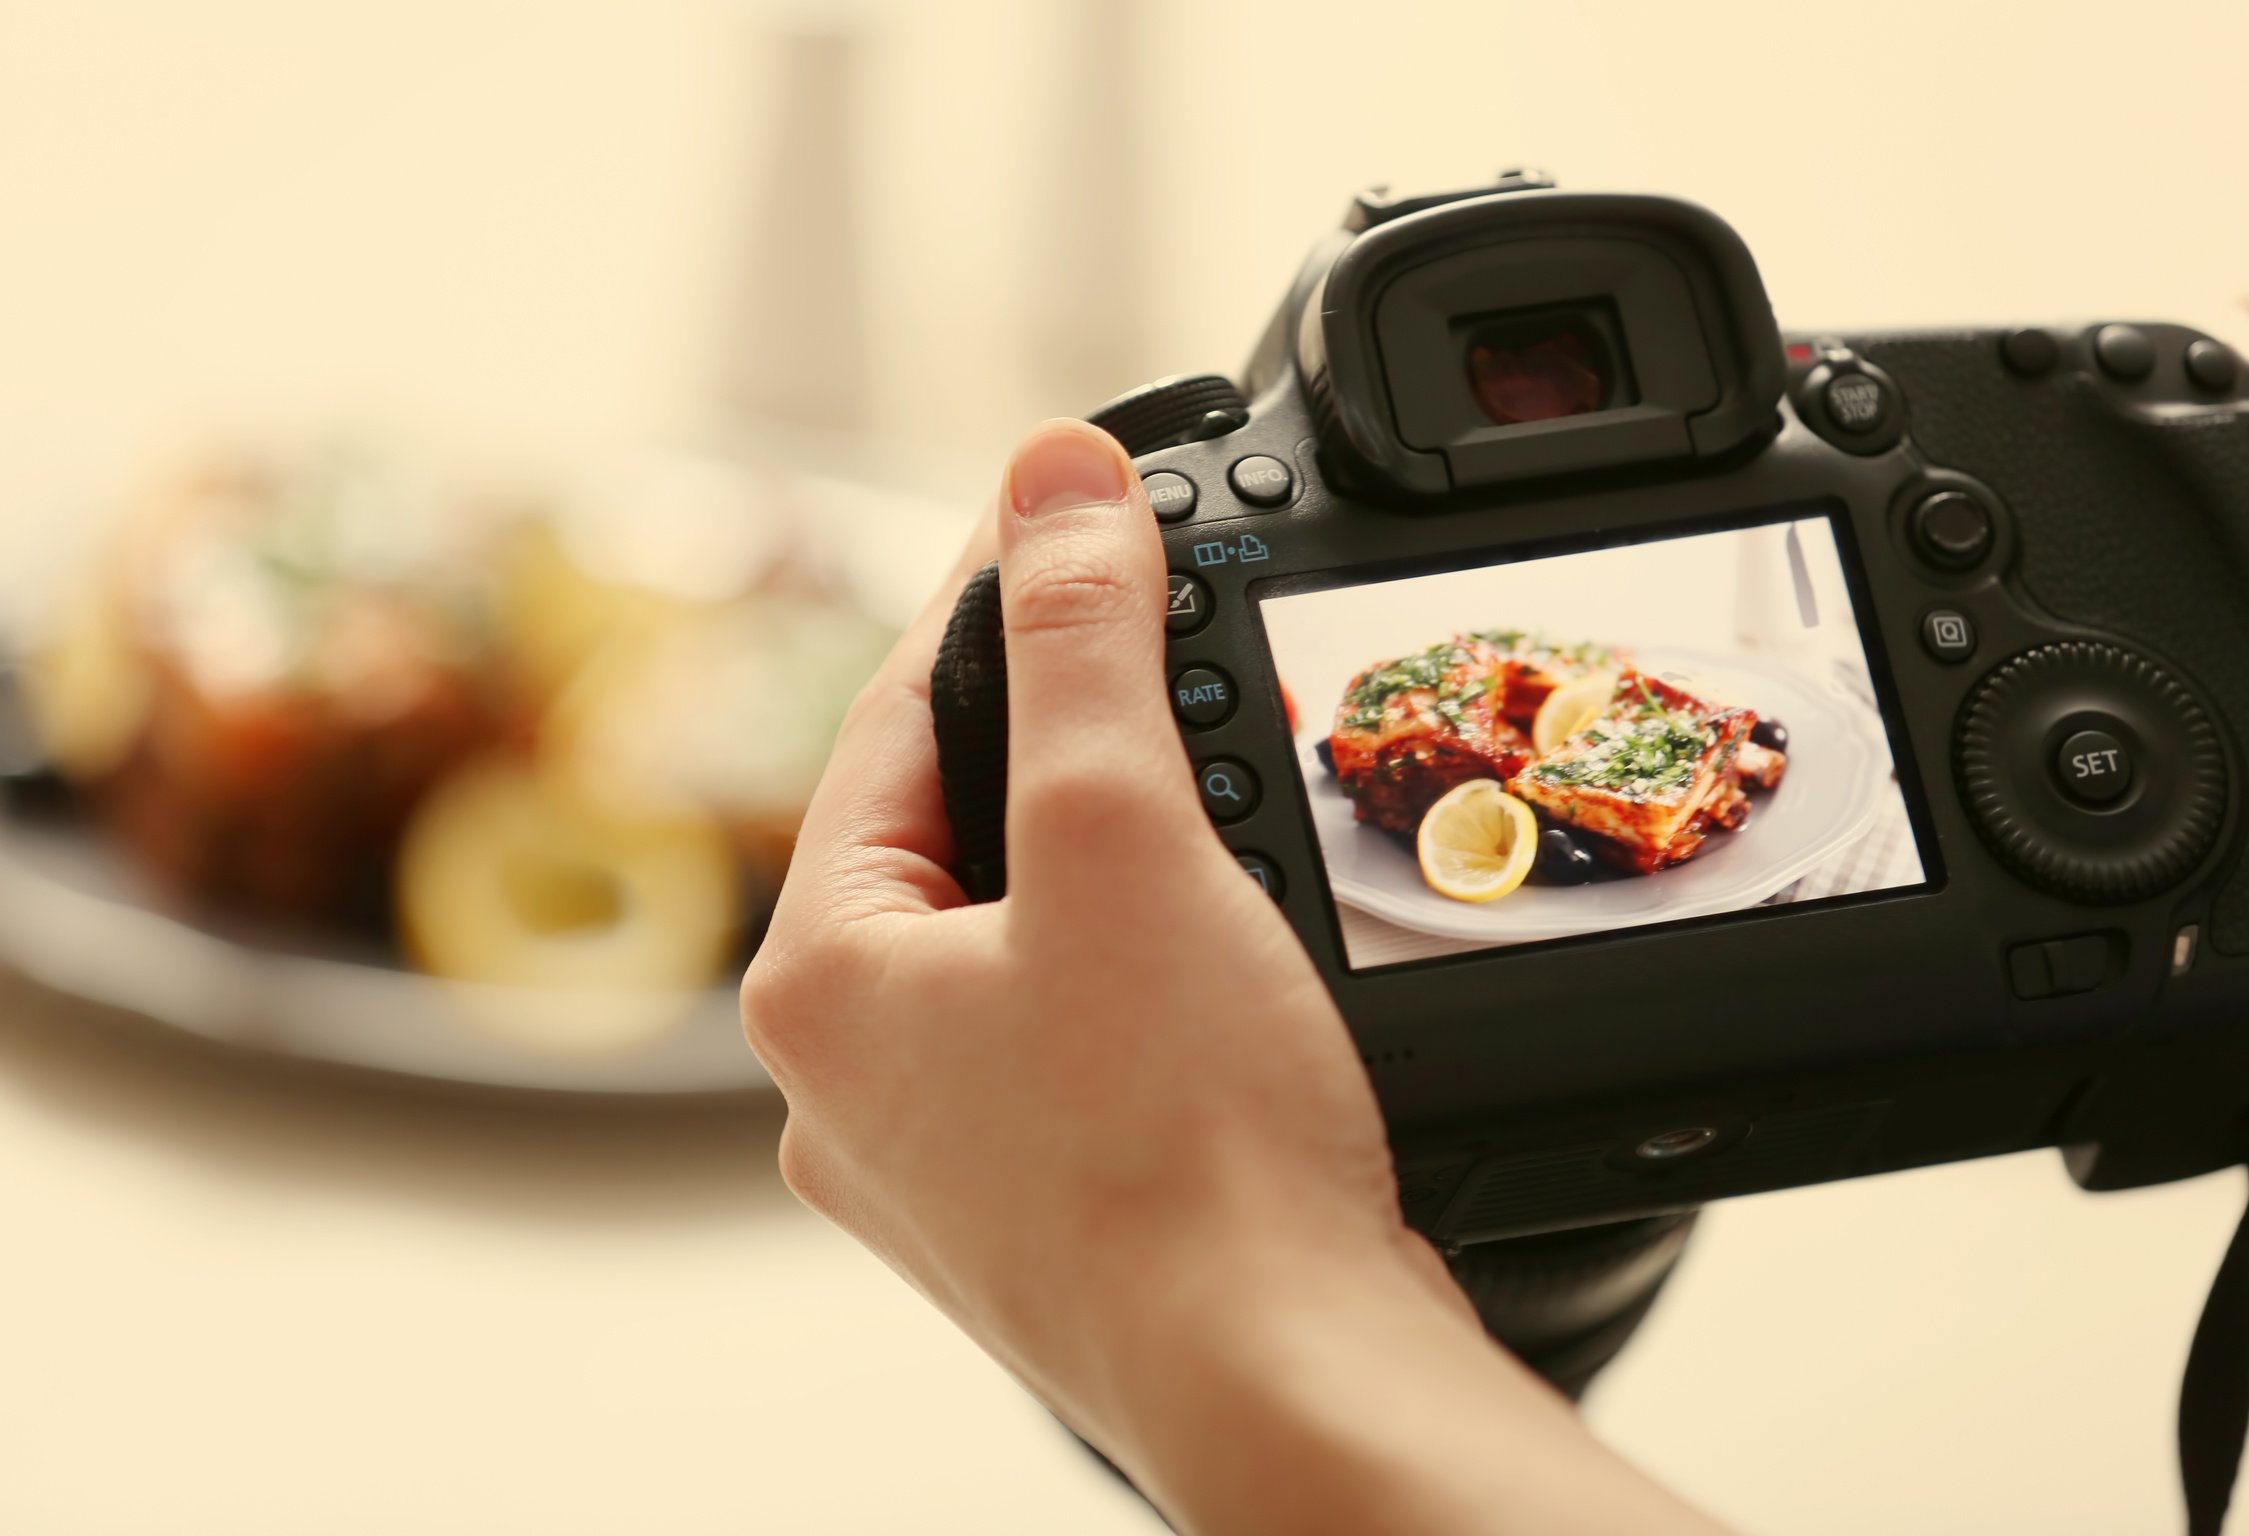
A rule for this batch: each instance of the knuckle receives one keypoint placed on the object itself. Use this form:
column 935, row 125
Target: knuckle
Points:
column 775, row 1007
column 1072, row 582
column 1095, row 807
column 876, row 700
column 802, row 1168
column 758, row 1007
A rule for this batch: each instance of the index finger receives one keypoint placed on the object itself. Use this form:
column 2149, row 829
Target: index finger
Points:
column 875, row 837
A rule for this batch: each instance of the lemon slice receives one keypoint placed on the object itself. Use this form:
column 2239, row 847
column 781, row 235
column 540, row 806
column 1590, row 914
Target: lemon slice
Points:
column 1477, row 843
column 1571, row 708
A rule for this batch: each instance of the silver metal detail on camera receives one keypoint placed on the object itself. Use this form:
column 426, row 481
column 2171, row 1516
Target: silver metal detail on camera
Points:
column 1668, row 1146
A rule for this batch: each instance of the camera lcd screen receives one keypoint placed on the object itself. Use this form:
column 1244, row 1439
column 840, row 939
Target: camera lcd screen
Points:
column 1544, row 747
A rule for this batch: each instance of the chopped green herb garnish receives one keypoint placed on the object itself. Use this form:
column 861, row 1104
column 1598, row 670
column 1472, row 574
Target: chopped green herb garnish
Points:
column 1654, row 749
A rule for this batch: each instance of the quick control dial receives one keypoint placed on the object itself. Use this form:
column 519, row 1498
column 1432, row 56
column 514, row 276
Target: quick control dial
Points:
column 2091, row 772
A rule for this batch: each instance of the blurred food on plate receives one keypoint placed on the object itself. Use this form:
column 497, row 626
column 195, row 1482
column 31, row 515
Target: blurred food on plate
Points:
column 555, row 743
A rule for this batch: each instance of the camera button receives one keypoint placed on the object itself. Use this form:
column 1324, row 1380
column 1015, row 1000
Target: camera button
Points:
column 2029, row 352
column 1170, row 496
column 1202, row 696
column 1856, row 402
column 2059, row 967
column 2212, row 365
column 1948, row 635
column 2093, row 767
column 1850, row 402
column 1951, row 530
column 2124, row 352
column 1262, row 480
column 1228, row 788
column 1264, row 871
column 1189, row 607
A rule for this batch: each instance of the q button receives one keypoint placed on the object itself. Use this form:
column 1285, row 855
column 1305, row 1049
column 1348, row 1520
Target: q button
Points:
column 1229, row 789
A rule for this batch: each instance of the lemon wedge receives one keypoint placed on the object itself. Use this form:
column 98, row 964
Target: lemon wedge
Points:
column 1477, row 843
column 1571, row 708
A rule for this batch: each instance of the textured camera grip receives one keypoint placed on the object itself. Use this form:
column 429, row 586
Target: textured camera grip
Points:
column 2132, row 525
column 968, row 709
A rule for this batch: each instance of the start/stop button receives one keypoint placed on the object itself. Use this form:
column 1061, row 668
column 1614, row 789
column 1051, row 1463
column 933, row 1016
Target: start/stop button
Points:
column 1848, row 400
column 2093, row 767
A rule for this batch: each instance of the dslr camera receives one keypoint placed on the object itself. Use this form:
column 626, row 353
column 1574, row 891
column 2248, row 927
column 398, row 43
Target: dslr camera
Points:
column 1699, row 759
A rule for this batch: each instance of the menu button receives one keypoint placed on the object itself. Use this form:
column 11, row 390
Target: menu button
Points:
column 1170, row 496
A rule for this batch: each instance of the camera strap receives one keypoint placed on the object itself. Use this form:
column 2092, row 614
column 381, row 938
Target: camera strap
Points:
column 2214, row 1397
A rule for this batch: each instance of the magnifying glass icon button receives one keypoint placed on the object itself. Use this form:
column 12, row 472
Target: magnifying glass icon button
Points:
column 1228, row 788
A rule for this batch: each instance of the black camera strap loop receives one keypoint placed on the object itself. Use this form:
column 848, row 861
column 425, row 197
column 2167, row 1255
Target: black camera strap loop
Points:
column 2214, row 1397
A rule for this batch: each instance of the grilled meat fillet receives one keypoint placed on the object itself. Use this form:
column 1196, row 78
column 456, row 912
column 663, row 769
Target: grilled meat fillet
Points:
column 1411, row 729
column 1759, row 767
column 1650, row 777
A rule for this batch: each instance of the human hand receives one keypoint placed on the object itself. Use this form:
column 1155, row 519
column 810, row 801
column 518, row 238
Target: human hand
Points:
column 1112, row 1124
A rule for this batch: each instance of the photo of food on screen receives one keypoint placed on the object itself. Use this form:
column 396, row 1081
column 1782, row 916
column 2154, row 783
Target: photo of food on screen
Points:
column 1538, row 748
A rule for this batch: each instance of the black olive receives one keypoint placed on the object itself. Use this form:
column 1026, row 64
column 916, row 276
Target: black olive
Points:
column 1324, row 749
column 1562, row 860
column 1770, row 734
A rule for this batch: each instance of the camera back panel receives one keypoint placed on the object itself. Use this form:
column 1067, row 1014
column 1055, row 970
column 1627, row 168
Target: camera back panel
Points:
column 2045, row 540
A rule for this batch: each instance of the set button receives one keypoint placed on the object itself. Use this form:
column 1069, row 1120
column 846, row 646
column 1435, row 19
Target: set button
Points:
column 1262, row 480
column 2093, row 767
column 1229, row 789
column 1202, row 696
column 1171, row 496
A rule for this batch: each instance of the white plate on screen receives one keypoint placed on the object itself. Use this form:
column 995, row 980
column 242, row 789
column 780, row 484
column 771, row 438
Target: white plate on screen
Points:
column 1838, row 776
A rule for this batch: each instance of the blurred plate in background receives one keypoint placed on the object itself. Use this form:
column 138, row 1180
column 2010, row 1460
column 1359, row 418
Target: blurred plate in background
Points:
column 76, row 917
column 335, row 760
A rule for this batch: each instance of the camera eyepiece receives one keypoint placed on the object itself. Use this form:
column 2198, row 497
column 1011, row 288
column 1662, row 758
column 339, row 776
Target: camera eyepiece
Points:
column 1520, row 332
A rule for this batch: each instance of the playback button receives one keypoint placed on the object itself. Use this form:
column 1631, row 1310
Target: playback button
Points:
column 1265, row 872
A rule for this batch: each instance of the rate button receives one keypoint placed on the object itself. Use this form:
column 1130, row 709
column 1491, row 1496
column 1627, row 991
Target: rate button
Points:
column 2093, row 767
column 1202, row 696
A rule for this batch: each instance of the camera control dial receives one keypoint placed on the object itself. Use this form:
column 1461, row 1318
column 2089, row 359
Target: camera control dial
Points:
column 1186, row 408
column 2091, row 772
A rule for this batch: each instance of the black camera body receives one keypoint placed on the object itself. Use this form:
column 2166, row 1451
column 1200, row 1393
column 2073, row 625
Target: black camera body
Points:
column 1993, row 583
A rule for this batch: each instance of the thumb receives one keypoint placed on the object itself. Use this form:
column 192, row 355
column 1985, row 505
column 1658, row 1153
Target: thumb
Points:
column 1095, row 766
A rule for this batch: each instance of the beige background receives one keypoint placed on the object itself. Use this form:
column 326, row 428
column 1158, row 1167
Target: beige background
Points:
column 236, row 1300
